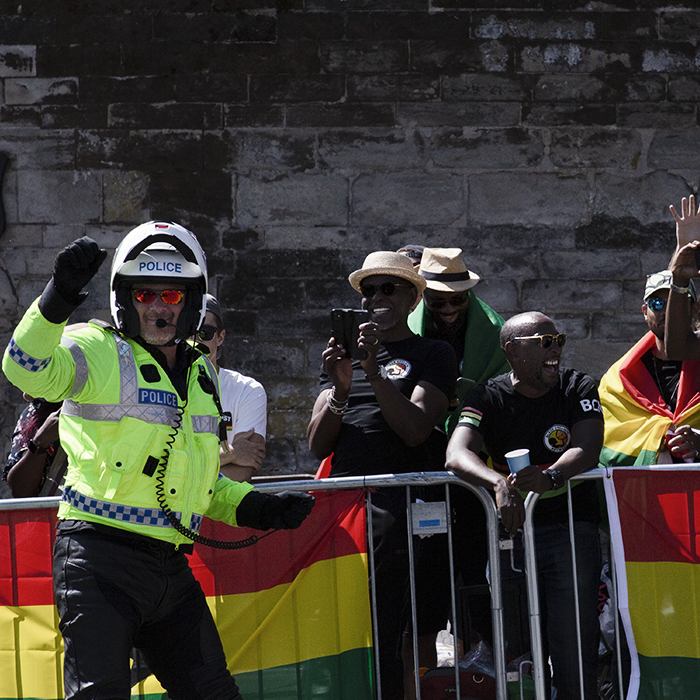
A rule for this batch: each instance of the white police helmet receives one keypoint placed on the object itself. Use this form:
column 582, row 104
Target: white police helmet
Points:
column 158, row 252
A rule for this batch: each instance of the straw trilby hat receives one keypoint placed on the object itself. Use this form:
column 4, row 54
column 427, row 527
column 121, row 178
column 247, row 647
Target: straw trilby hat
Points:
column 385, row 262
column 445, row 271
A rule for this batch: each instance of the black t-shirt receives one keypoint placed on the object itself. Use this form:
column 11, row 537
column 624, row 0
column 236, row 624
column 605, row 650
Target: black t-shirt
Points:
column 507, row 420
column 666, row 374
column 366, row 444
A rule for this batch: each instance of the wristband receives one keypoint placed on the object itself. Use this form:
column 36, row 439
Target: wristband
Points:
column 680, row 290
column 36, row 449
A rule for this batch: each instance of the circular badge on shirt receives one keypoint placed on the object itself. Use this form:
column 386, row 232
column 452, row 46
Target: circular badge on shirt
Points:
column 556, row 439
column 398, row 369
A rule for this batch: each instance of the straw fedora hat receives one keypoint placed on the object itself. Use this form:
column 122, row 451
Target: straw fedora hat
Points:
column 445, row 271
column 384, row 262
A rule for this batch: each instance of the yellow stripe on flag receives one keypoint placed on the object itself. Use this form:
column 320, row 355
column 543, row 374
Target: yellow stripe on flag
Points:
column 664, row 608
column 36, row 672
column 324, row 611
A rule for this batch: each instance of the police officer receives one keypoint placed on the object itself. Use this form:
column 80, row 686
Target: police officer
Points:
column 140, row 427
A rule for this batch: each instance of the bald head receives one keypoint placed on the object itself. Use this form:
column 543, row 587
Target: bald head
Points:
column 522, row 324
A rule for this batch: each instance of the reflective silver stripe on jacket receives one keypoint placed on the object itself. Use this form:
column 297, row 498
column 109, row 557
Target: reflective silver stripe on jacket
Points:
column 153, row 517
column 81, row 365
column 24, row 360
column 205, row 424
column 128, row 406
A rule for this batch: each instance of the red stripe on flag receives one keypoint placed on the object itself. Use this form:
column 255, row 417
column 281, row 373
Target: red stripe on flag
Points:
column 335, row 528
column 332, row 530
column 26, row 542
column 659, row 515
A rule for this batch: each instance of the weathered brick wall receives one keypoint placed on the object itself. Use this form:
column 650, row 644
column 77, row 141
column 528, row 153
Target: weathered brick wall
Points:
column 547, row 139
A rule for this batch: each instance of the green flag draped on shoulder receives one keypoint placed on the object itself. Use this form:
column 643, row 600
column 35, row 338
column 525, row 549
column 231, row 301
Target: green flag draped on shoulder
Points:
column 483, row 357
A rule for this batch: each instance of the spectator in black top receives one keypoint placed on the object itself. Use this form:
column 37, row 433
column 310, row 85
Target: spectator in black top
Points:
column 375, row 416
column 555, row 413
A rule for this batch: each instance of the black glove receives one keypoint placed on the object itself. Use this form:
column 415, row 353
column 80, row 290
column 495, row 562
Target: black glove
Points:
column 282, row 511
column 74, row 267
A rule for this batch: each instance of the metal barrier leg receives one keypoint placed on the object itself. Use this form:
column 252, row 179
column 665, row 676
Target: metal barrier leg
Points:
column 533, row 600
column 616, row 624
column 373, row 593
column 574, row 568
column 453, row 596
column 412, row 585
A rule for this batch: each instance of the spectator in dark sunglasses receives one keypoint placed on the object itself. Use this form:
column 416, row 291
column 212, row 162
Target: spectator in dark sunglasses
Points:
column 554, row 412
column 450, row 311
column 657, row 421
column 378, row 415
column 243, row 400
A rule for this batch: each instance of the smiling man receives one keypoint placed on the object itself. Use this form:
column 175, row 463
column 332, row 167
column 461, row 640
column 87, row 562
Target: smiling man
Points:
column 376, row 417
column 451, row 311
column 140, row 426
column 555, row 413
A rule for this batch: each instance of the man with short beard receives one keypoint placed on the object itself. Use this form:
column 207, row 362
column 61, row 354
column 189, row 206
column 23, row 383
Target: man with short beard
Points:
column 555, row 414
column 450, row 311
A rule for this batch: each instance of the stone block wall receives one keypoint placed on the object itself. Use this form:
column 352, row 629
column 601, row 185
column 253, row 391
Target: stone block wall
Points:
column 546, row 139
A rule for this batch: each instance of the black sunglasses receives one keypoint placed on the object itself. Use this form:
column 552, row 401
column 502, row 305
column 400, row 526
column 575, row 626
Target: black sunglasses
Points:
column 207, row 332
column 545, row 340
column 388, row 289
column 455, row 301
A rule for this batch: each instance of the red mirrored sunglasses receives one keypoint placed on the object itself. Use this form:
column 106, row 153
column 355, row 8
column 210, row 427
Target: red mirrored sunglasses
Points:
column 169, row 296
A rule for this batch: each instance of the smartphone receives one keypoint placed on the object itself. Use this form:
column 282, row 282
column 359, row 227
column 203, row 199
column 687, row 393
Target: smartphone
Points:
column 345, row 328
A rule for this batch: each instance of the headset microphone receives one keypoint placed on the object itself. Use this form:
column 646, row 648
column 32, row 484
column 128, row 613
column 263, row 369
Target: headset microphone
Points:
column 162, row 323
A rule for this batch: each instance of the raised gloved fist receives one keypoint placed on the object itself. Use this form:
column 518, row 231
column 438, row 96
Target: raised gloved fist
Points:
column 75, row 266
column 282, row 511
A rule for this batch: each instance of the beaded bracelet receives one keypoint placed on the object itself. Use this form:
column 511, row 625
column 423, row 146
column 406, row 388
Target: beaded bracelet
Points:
column 335, row 406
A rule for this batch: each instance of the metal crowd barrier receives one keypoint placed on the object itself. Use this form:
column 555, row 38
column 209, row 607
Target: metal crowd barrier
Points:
column 407, row 481
column 436, row 479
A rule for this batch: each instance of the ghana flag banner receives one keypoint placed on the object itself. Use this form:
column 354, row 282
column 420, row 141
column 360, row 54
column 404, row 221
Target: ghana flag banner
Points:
column 655, row 528
column 293, row 610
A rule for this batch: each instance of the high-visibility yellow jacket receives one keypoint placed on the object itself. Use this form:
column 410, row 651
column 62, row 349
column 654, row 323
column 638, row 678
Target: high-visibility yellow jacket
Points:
column 120, row 423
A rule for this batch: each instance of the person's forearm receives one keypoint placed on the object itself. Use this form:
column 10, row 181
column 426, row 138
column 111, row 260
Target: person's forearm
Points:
column 467, row 466
column 679, row 338
column 24, row 478
column 574, row 461
column 323, row 429
column 410, row 421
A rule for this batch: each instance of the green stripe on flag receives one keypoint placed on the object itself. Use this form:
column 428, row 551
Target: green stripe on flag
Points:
column 342, row 677
column 669, row 678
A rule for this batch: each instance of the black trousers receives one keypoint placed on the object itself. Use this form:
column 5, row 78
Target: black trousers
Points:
column 114, row 593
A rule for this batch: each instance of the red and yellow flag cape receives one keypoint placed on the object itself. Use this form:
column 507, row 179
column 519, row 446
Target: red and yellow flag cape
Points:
column 636, row 416
column 293, row 610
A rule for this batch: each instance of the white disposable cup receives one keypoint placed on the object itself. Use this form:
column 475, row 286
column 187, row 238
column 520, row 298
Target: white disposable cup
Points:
column 518, row 459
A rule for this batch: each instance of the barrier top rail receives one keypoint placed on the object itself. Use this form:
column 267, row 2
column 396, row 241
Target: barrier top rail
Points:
column 358, row 482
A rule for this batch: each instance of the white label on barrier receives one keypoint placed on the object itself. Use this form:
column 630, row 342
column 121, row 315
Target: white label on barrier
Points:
column 429, row 518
